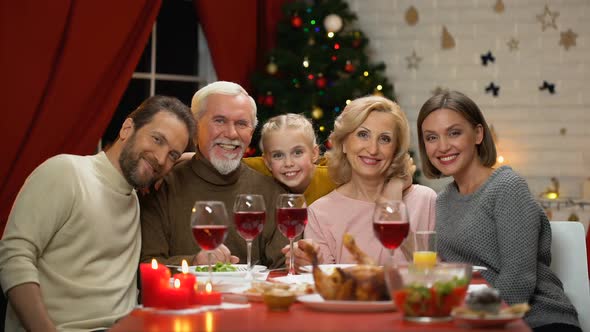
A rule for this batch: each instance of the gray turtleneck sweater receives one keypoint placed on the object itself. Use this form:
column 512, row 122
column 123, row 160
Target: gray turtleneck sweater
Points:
column 503, row 228
column 165, row 214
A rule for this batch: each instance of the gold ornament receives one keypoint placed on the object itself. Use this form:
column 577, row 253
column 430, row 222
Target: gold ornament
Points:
column 412, row 16
column 317, row 113
column 448, row 41
column 272, row 68
column 568, row 39
column 499, row 7
column 547, row 19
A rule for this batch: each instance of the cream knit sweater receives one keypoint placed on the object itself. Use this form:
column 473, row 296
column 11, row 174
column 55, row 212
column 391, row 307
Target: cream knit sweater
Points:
column 74, row 230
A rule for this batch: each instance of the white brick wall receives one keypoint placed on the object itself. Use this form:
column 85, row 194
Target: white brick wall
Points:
column 527, row 121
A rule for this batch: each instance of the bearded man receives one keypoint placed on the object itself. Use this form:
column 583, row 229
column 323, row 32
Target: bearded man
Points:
column 226, row 119
column 70, row 250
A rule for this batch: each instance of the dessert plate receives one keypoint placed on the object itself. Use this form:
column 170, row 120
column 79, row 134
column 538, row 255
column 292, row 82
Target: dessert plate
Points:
column 315, row 301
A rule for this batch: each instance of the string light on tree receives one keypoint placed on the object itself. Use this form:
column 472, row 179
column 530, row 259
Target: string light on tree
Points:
column 305, row 62
column 321, row 82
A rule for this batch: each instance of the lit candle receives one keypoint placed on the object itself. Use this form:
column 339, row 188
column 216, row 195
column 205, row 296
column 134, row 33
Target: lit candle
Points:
column 176, row 297
column 187, row 281
column 154, row 278
column 208, row 297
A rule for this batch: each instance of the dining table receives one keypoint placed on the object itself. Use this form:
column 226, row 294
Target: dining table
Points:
column 257, row 317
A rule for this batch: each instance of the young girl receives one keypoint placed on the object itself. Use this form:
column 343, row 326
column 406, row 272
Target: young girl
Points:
column 488, row 216
column 289, row 152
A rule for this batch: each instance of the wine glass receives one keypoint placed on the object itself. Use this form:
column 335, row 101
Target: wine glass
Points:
column 391, row 223
column 209, row 223
column 291, row 220
column 249, row 217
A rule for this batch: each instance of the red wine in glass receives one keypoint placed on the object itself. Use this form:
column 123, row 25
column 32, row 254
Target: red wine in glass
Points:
column 209, row 237
column 291, row 218
column 209, row 224
column 249, row 223
column 391, row 233
column 291, row 221
column 249, row 218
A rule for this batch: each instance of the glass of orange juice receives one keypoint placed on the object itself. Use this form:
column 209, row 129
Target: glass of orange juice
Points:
column 425, row 248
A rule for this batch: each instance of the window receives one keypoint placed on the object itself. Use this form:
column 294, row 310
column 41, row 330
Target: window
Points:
column 175, row 62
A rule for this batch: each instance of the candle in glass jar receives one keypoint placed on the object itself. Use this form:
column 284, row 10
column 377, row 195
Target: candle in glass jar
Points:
column 208, row 297
column 187, row 281
column 154, row 278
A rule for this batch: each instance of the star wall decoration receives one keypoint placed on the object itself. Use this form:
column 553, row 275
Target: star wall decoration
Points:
column 488, row 57
column 568, row 39
column 548, row 86
column 438, row 90
column 493, row 89
column 547, row 19
column 413, row 60
column 513, row 44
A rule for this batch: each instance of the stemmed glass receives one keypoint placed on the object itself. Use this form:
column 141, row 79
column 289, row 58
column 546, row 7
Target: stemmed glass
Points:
column 291, row 220
column 209, row 223
column 249, row 217
column 391, row 223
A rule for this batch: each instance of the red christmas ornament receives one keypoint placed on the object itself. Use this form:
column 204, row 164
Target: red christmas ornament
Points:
column 269, row 100
column 348, row 67
column 296, row 22
column 250, row 151
column 321, row 82
column 356, row 43
column 328, row 144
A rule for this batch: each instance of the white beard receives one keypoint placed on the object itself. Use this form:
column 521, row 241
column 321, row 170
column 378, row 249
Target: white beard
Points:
column 225, row 166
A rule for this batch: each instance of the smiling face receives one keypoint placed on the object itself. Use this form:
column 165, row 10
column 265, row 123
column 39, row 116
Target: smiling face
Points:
column 151, row 151
column 290, row 156
column 370, row 148
column 225, row 130
column 450, row 142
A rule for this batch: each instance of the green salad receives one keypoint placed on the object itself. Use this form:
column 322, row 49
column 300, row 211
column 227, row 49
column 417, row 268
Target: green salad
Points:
column 218, row 267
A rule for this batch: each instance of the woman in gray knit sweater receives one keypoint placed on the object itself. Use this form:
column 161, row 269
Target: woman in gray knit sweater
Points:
column 488, row 216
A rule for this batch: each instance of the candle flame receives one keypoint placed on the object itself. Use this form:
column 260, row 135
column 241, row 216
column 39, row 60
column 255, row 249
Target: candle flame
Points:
column 154, row 264
column 184, row 266
column 176, row 283
column 208, row 288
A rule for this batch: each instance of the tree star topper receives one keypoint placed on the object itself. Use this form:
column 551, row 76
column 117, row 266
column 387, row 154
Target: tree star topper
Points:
column 568, row 39
column 413, row 60
column 547, row 19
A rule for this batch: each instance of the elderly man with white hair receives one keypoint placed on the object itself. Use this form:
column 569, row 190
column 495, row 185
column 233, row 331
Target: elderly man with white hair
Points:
column 226, row 120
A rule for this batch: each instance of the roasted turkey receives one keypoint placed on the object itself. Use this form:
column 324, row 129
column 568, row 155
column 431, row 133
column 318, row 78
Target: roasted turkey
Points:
column 362, row 282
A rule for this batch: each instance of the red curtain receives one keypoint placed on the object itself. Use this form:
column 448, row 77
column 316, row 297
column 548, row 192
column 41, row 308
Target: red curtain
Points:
column 65, row 65
column 238, row 34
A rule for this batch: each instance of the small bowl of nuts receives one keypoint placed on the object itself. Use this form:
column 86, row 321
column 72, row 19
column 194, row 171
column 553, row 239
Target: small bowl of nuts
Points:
column 277, row 299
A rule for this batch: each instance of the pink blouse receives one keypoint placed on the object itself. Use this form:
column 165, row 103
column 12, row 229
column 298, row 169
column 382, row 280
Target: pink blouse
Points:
column 335, row 214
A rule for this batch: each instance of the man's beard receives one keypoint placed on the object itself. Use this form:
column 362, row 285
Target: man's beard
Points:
column 226, row 165
column 129, row 162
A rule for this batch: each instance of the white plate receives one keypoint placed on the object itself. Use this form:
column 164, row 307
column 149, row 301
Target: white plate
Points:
column 488, row 320
column 328, row 268
column 315, row 301
column 242, row 270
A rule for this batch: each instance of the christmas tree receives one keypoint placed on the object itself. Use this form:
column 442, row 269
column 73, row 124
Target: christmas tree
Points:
column 319, row 64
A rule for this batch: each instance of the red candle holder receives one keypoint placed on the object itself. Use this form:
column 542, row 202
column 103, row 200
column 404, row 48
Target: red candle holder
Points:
column 177, row 297
column 154, row 279
column 208, row 297
column 187, row 281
